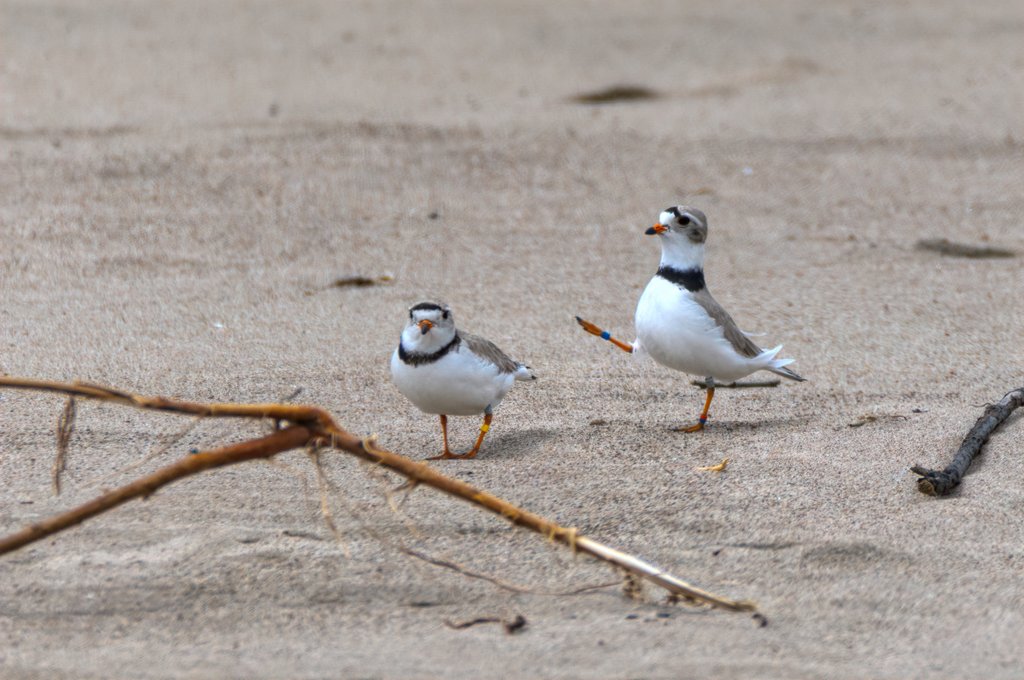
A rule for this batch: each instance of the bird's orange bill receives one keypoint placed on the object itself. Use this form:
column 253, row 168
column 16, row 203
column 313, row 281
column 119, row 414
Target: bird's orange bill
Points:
column 603, row 334
column 656, row 229
column 448, row 455
column 703, row 416
column 425, row 326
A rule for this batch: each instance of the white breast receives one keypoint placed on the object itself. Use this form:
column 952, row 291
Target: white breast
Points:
column 457, row 384
column 678, row 333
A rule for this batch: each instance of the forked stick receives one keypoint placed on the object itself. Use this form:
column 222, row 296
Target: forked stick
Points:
column 313, row 426
column 942, row 482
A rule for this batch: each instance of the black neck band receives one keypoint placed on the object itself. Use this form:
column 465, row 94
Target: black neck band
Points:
column 418, row 358
column 692, row 279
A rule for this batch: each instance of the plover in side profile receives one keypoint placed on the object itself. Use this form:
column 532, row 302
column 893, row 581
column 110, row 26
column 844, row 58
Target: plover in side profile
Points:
column 448, row 373
column 681, row 326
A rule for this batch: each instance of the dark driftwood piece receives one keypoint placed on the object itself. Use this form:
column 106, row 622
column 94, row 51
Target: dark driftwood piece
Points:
column 946, row 247
column 942, row 482
column 360, row 281
column 616, row 93
column 313, row 428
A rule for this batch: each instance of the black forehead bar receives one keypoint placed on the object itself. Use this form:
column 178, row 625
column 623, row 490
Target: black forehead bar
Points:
column 424, row 306
column 673, row 210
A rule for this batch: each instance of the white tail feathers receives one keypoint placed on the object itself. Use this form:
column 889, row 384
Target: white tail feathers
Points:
column 778, row 366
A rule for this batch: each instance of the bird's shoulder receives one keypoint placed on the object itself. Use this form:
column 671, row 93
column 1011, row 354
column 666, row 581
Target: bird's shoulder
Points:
column 488, row 351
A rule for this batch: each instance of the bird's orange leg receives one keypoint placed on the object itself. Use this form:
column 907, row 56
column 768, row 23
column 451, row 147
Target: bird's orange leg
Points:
column 703, row 416
column 604, row 335
column 484, row 427
column 444, row 434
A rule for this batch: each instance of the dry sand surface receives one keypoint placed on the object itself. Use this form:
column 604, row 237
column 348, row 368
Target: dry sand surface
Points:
column 182, row 181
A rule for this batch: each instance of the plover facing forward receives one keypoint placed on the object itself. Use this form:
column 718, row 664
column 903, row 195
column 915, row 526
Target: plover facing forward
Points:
column 680, row 325
column 449, row 373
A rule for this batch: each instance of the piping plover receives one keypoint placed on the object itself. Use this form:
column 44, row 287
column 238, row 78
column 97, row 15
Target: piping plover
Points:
column 680, row 325
column 448, row 373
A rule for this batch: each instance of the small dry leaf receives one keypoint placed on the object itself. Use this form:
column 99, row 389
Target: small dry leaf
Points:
column 869, row 418
column 863, row 421
column 715, row 468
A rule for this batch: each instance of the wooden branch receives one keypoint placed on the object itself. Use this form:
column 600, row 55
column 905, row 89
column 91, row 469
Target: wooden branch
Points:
column 282, row 440
column 942, row 482
column 312, row 426
column 290, row 412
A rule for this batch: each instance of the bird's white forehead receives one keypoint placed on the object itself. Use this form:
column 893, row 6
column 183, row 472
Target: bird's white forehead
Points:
column 675, row 212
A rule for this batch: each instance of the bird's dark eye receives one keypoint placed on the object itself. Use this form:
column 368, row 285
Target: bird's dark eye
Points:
column 684, row 220
column 444, row 314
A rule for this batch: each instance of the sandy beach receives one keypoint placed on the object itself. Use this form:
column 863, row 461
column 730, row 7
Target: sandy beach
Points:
column 182, row 182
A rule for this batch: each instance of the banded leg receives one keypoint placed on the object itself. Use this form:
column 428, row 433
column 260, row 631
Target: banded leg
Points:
column 484, row 427
column 604, row 335
column 704, row 415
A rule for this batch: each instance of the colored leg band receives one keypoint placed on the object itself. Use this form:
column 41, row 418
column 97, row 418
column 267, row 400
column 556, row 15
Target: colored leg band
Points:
column 703, row 419
column 605, row 335
column 485, row 427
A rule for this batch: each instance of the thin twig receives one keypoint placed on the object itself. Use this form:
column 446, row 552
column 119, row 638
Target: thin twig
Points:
column 942, row 482
column 512, row 626
column 494, row 580
column 738, row 385
column 375, row 473
column 65, row 428
column 323, row 486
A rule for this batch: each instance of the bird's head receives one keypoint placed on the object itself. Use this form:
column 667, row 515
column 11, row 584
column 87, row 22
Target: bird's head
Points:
column 683, row 231
column 429, row 324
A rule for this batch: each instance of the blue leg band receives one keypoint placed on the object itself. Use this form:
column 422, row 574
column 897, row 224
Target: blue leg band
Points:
column 605, row 335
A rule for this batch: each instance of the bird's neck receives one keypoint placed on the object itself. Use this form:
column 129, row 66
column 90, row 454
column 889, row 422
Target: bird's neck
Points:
column 416, row 355
column 682, row 256
column 690, row 279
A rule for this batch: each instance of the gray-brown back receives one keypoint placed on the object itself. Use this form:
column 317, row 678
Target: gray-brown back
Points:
column 737, row 338
column 487, row 350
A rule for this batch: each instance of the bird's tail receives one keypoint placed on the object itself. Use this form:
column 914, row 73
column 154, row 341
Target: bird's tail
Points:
column 524, row 372
column 778, row 366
